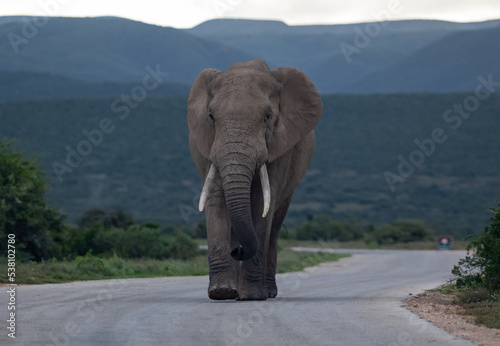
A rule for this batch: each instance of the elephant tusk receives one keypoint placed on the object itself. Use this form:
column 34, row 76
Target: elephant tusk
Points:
column 204, row 192
column 266, row 190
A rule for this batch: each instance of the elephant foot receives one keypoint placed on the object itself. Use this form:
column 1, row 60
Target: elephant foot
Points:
column 221, row 292
column 272, row 289
column 253, row 294
column 272, row 293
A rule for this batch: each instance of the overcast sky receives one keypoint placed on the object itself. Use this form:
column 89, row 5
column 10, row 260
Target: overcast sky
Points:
column 188, row 13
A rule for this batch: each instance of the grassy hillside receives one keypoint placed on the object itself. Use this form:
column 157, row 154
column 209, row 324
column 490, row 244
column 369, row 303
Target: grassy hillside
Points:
column 143, row 164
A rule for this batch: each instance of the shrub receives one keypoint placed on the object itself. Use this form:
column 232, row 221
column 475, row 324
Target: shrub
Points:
column 82, row 240
column 324, row 228
column 481, row 266
column 135, row 241
column 402, row 231
column 90, row 265
column 182, row 247
column 474, row 295
column 413, row 230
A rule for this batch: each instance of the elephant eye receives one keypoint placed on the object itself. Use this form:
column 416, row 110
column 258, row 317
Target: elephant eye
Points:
column 267, row 117
column 211, row 117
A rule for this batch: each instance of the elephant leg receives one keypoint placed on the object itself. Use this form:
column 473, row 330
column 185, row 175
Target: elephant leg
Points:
column 272, row 254
column 252, row 276
column 252, row 280
column 223, row 271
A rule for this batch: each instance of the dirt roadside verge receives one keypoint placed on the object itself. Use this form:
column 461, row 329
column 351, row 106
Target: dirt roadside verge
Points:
column 437, row 308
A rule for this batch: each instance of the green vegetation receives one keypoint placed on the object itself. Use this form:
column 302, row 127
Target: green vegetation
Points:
column 486, row 313
column 477, row 302
column 90, row 267
column 482, row 305
column 324, row 228
column 23, row 210
column 481, row 267
column 476, row 278
column 401, row 231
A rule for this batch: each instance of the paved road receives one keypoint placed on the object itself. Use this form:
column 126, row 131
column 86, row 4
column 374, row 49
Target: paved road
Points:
column 356, row 301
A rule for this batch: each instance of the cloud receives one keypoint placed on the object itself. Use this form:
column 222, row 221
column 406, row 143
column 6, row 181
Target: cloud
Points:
column 188, row 13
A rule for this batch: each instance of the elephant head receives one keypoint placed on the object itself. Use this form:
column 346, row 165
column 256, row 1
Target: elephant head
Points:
column 242, row 119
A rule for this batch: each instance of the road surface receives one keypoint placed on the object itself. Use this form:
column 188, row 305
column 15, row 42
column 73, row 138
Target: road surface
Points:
column 356, row 301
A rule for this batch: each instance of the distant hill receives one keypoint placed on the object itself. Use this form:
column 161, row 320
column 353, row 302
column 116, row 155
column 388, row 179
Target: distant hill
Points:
column 381, row 57
column 237, row 27
column 144, row 167
column 451, row 64
column 111, row 49
column 394, row 60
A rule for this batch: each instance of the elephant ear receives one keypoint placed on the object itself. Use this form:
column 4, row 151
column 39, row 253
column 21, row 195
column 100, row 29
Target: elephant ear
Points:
column 201, row 133
column 300, row 110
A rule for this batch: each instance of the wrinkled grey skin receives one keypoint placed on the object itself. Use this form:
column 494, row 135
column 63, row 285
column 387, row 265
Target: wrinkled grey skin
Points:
column 239, row 120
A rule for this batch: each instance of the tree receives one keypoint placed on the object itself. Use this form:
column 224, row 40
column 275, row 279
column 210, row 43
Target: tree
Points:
column 39, row 230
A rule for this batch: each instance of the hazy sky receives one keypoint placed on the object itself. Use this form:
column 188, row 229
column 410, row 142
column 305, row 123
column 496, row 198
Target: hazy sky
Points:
column 188, row 13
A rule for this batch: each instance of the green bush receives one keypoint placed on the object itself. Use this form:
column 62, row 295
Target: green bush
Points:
column 401, row 231
column 386, row 234
column 40, row 231
column 481, row 266
column 474, row 295
column 90, row 265
column 135, row 241
column 182, row 247
column 80, row 241
column 324, row 228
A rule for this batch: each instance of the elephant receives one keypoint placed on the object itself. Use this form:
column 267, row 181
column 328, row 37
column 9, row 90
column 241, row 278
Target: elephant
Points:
column 251, row 138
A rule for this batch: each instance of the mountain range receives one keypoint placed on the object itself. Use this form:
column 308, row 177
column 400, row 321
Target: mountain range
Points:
column 100, row 57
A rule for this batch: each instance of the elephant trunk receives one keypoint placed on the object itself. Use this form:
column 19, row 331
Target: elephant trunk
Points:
column 236, row 184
